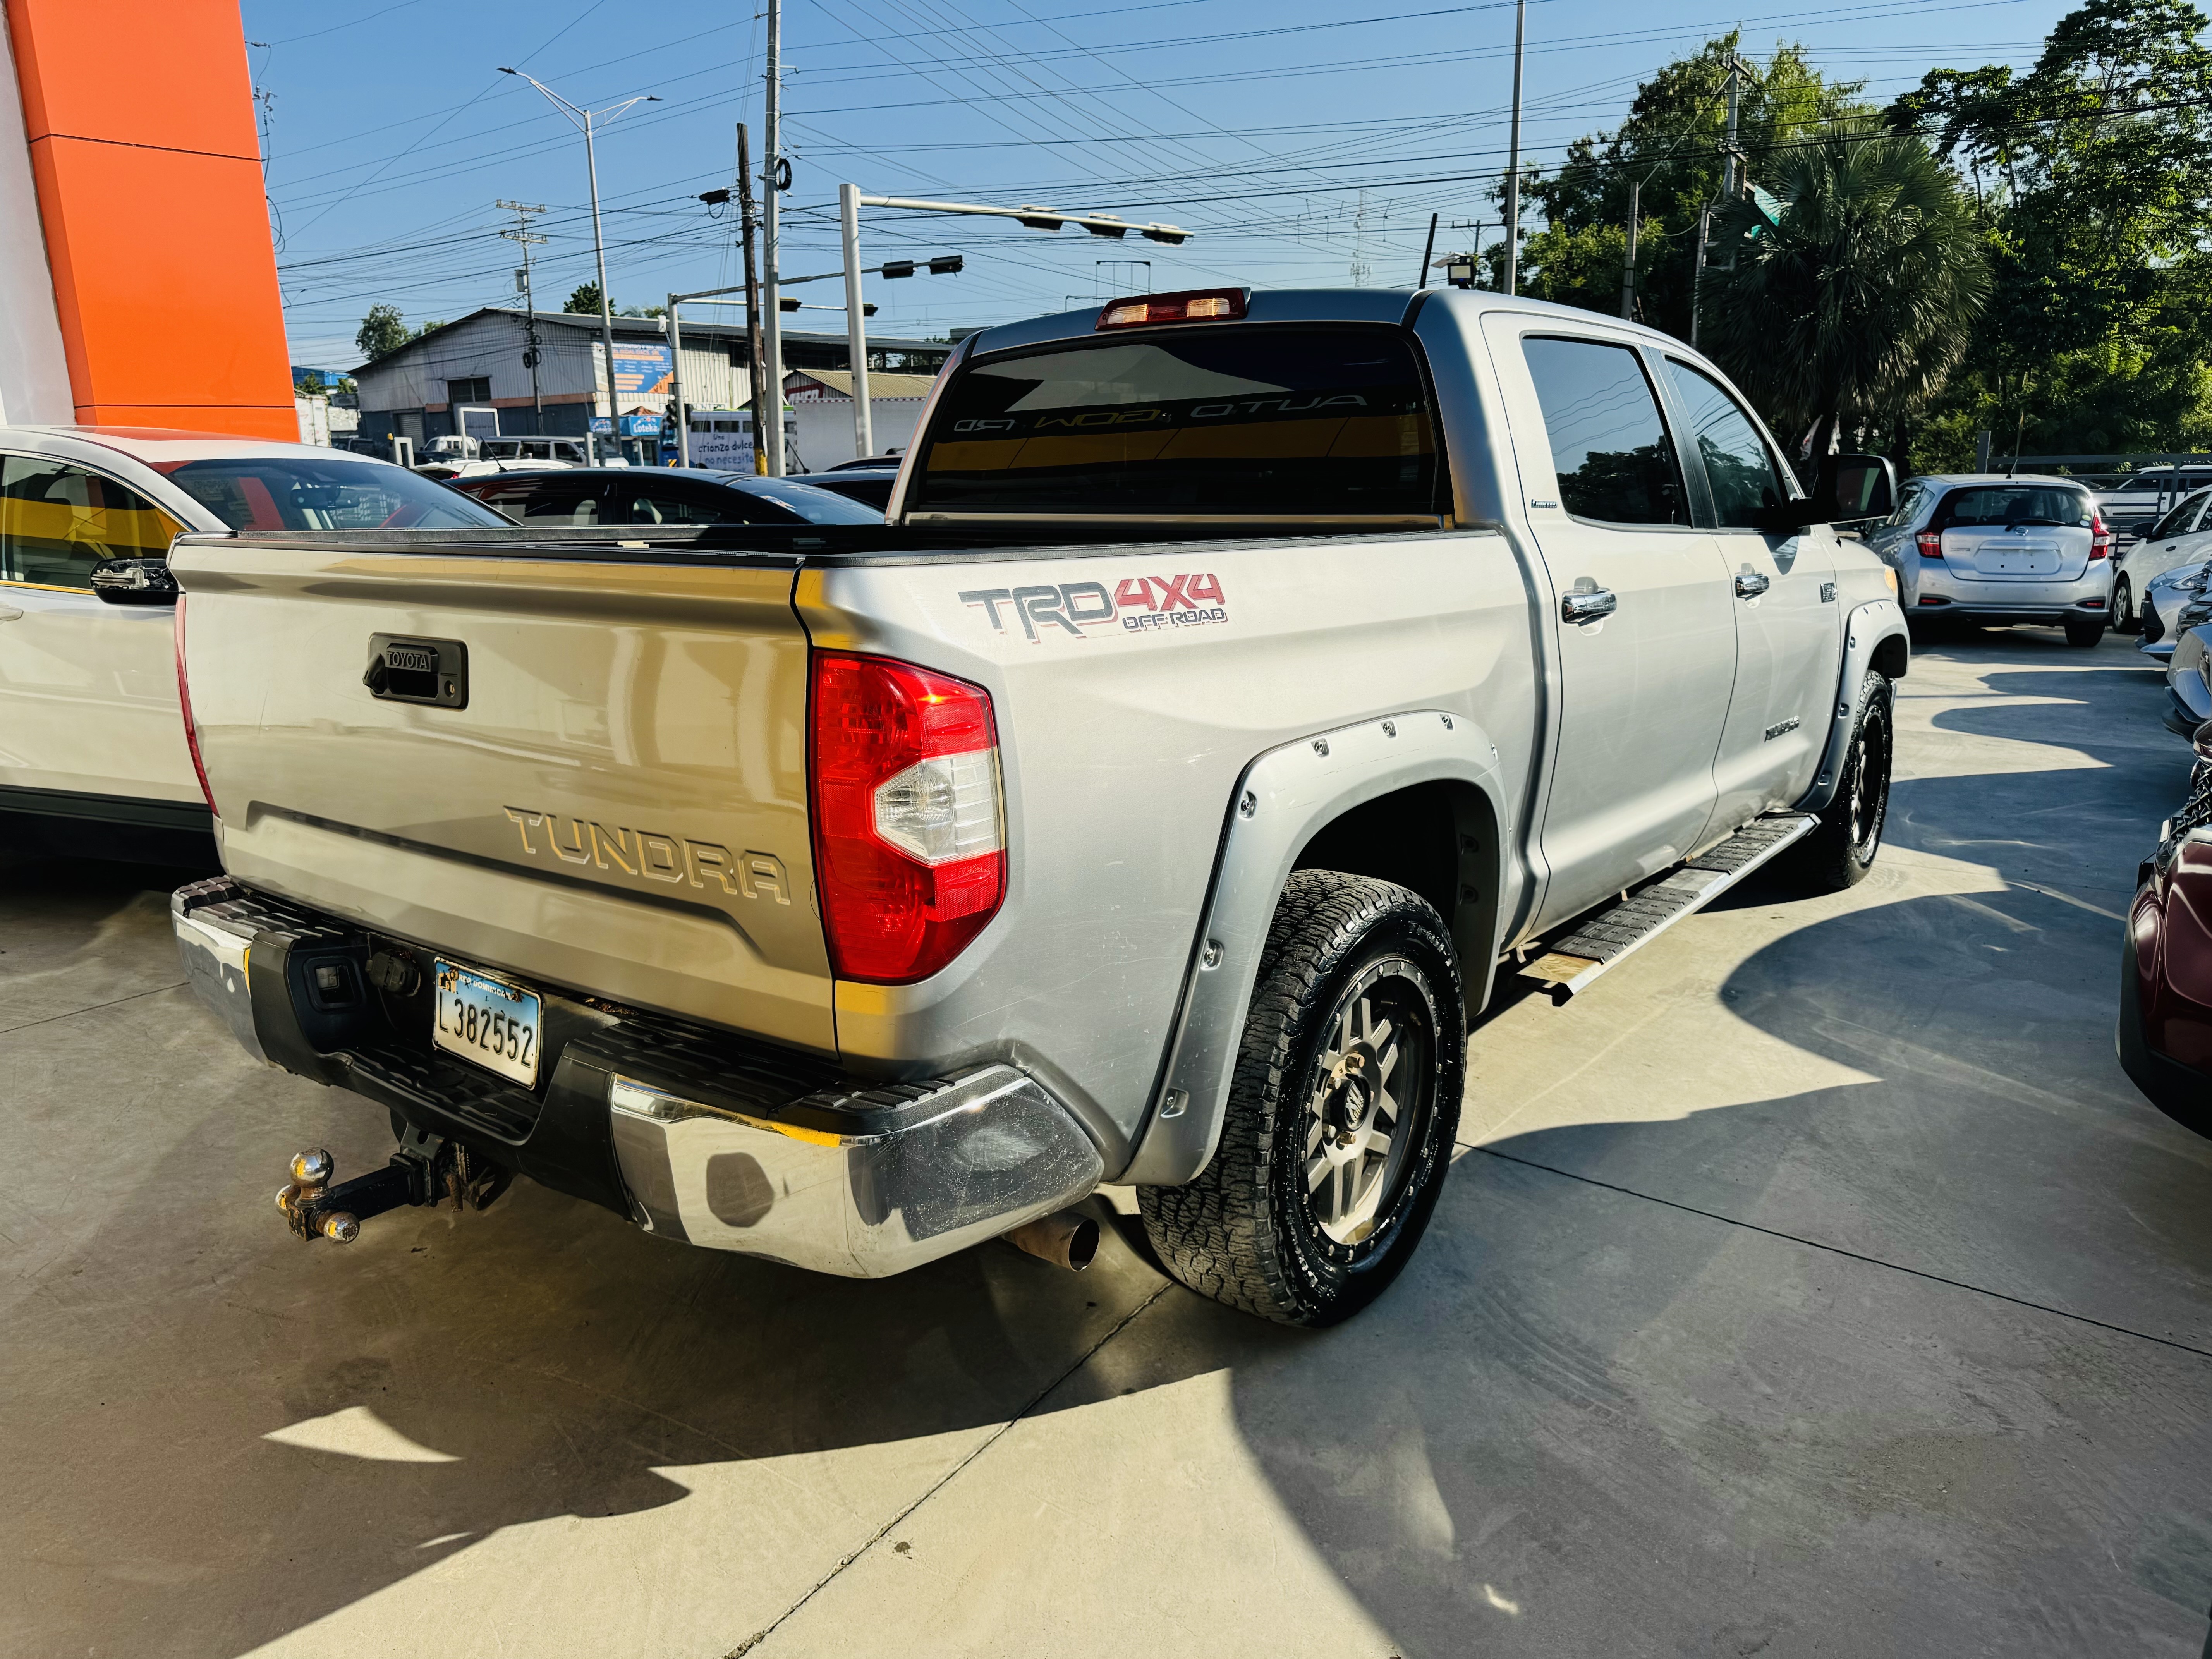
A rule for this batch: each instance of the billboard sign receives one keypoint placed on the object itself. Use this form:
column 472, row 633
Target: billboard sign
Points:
column 639, row 426
column 643, row 374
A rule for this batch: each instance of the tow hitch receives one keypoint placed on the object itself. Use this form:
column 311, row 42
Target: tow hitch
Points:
column 427, row 1170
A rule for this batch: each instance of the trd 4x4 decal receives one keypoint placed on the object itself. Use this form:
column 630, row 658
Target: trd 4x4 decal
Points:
column 1138, row 604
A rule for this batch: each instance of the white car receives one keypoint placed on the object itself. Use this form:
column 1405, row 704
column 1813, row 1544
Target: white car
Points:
column 2161, row 613
column 93, row 754
column 445, row 471
column 2181, row 536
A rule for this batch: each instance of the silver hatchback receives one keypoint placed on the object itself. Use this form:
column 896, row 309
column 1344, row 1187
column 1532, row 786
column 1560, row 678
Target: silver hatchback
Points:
column 1987, row 549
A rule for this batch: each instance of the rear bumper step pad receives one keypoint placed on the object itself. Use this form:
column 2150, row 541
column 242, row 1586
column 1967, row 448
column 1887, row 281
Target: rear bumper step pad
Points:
column 1625, row 926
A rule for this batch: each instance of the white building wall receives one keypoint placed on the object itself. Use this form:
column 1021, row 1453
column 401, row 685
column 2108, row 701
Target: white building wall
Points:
column 825, row 428
column 34, row 384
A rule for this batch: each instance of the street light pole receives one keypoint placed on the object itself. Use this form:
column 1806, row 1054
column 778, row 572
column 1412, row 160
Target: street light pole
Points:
column 856, row 326
column 586, row 121
column 1513, row 153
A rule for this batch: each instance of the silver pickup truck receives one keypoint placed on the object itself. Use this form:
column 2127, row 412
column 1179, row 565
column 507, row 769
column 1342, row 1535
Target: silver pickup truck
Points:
column 1240, row 684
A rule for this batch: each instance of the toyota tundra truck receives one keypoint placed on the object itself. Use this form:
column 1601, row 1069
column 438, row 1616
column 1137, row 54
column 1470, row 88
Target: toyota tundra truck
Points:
column 1240, row 684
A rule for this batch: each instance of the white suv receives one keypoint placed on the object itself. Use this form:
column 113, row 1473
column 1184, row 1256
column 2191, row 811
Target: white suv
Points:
column 93, row 756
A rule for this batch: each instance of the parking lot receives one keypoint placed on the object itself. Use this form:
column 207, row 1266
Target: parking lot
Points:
column 1816, row 1284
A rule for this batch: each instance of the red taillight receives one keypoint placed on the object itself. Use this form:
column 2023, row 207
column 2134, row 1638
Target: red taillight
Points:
column 909, row 847
column 1931, row 543
column 1197, row 305
column 185, row 705
column 2100, row 539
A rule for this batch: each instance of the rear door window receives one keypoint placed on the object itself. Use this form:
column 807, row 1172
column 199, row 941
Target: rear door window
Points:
column 58, row 521
column 1609, row 447
column 1236, row 422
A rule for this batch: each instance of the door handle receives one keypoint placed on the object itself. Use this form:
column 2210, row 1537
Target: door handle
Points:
column 1750, row 584
column 1589, row 607
column 7, row 612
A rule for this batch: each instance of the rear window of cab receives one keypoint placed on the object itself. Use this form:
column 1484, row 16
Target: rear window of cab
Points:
column 1244, row 423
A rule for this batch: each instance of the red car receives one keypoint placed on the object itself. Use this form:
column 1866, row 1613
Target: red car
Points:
column 2165, row 963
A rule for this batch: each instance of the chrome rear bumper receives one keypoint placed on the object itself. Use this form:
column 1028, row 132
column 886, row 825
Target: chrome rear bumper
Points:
column 968, row 1159
column 698, row 1136
column 215, row 958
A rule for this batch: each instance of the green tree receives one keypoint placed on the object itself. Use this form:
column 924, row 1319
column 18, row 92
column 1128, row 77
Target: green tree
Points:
column 585, row 300
column 1670, row 144
column 381, row 332
column 2092, row 171
column 1862, row 298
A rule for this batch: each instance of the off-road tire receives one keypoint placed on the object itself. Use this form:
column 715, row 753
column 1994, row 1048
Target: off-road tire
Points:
column 1248, row 1230
column 2084, row 635
column 2125, row 619
column 1839, row 853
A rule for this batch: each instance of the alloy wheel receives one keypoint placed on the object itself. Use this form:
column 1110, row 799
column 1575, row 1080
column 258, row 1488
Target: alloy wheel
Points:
column 1369, row 1100
column 1869, row 774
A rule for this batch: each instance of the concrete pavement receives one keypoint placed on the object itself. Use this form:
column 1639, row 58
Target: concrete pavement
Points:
column 1817, row 1284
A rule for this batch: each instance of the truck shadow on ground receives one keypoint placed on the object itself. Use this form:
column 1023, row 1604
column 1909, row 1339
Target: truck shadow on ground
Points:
column 1587, row 1422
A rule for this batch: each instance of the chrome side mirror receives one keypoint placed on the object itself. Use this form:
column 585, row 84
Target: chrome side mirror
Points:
column 134, row 581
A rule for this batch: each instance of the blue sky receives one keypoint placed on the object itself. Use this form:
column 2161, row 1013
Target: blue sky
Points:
column 1301, row 145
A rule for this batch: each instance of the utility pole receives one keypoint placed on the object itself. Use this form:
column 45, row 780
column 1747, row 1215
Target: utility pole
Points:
column 1628, row 265
column 1698, row 278
column 856, row 325
column 1429, row 251
column 587, row 122
column 756, row 368
column 1513, row 156
column 771, row 178
column 1731, row 180
column 529, row 238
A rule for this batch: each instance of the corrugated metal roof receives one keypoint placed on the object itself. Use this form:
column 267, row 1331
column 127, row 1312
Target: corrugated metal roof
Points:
column 881, row 383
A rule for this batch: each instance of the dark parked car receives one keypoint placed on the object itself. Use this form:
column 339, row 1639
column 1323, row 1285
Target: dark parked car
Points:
column 588, row 496
column 2165, row 961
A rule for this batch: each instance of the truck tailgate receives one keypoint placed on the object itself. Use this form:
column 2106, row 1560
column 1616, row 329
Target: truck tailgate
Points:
column 610, row 796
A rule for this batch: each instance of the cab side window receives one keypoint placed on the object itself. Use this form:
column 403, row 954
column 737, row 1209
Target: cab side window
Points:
column 1739, row 466
column 1609, row 446
column 57, row 521
column 2189, row 515
column 2177, row 520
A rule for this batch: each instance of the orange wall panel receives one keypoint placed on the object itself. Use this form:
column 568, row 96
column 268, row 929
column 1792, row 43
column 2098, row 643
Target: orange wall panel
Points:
column 140, row 118
column 169, row 73
column 161, row 328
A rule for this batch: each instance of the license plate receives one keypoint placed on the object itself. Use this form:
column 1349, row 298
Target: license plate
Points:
column 484, row 1020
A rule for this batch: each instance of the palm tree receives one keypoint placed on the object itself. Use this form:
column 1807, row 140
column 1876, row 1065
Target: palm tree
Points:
column 1860, row 299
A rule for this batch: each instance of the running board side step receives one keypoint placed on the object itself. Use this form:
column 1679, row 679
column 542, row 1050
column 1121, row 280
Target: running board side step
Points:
column 1625, row 926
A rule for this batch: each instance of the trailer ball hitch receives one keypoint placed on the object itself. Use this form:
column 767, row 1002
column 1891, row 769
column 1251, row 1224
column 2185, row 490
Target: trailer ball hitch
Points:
column 426, row 1169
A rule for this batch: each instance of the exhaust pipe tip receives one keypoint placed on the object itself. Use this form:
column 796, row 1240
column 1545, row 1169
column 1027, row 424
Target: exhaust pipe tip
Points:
column 1068, row 1239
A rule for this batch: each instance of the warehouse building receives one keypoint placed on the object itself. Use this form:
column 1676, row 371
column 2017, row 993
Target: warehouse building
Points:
column 482, row 363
